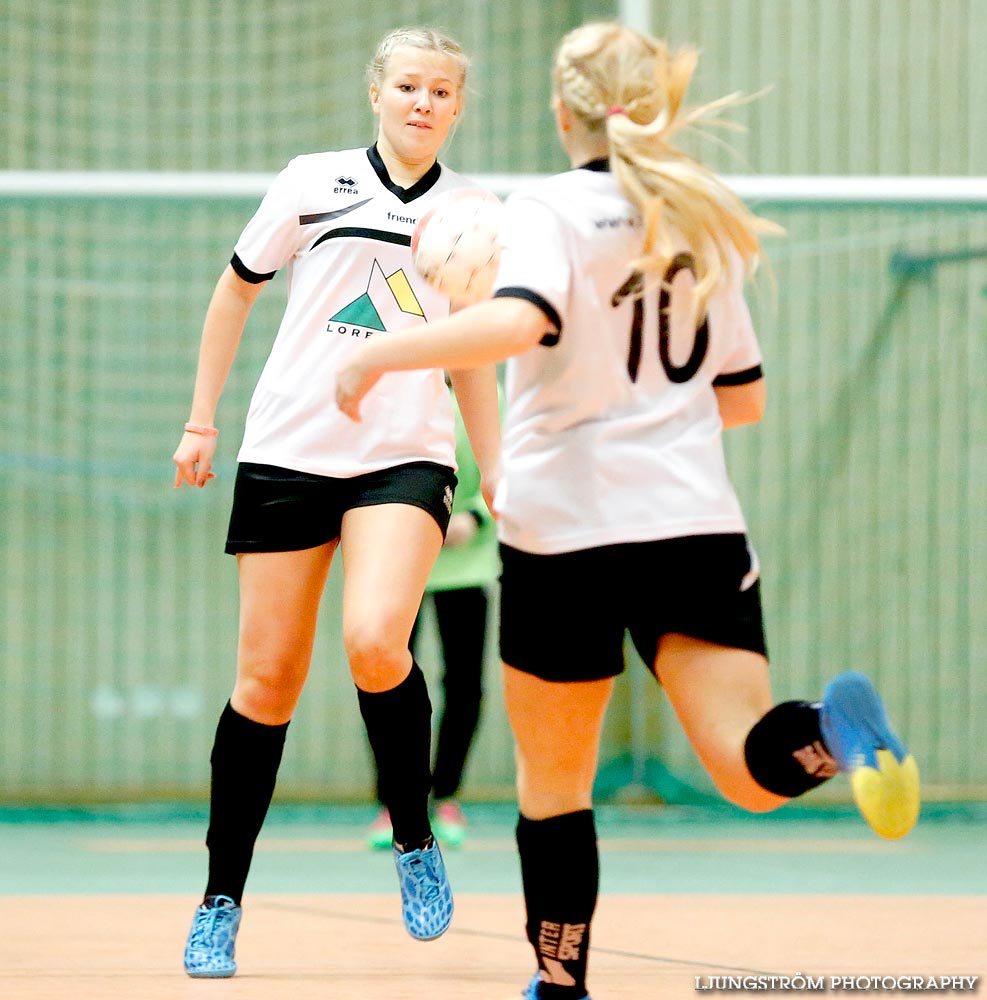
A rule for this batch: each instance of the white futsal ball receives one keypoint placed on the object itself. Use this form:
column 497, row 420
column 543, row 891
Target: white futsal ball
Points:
column 456, row 244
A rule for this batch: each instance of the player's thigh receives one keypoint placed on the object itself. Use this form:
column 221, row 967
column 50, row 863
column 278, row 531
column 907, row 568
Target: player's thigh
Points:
column 388, row 552
column 280, row 592
column 717, row 692
column 279, row 602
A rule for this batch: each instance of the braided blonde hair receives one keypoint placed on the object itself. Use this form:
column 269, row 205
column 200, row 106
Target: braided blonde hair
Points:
column 632, row 86
column 431, row 39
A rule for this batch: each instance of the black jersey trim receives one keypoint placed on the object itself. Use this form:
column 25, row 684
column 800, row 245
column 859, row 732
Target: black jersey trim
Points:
column 380, row 235
column 244, row 272
column 745, row 377
column 601, row 166
column 308, row 220
column 424, row 183
column 513, row 292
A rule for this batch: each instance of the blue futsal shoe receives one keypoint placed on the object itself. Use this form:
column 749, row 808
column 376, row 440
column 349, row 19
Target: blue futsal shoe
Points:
column 530, row 992
column 212, row 939
column 426, row 896
column 883, row 774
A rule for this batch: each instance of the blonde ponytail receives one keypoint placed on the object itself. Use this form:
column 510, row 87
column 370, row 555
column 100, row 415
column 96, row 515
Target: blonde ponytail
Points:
column 633, row 87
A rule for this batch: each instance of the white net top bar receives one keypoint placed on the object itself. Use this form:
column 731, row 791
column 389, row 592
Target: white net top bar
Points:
column 776, row 189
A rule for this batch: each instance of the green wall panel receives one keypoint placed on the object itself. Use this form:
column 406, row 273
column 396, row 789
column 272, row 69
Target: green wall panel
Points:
column 864, row 485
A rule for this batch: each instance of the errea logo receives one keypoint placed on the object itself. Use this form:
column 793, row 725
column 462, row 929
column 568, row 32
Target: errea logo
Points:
column 345, row 185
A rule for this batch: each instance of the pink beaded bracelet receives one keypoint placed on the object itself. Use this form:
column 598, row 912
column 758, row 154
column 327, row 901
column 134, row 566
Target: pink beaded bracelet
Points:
column 201, row 429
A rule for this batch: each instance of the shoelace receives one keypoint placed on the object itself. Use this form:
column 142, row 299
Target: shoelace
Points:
column 205, row 926
column 428, row 881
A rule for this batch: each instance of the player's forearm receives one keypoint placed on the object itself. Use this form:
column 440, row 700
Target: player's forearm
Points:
column 476, row 392
column 480, row 335
column 225, row 320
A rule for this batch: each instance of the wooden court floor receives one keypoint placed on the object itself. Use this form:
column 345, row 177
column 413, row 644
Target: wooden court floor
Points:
column 353, row 947
column 683, row 907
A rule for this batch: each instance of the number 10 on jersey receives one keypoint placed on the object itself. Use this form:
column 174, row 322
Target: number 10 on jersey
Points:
column 700, row 343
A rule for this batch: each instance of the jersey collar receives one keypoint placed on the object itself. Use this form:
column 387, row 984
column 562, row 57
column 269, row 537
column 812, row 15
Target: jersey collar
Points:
column 423, row 184
column 599, row 166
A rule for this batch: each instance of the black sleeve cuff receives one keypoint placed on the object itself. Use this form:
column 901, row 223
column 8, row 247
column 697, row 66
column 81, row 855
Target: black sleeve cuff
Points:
column 745, row 377
column 550, row 339
column 250, row 276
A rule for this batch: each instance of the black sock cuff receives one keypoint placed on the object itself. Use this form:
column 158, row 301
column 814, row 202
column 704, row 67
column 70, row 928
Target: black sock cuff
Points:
column 413, row 686
column 231, row 719
column 561, row 843
column 566, row 825
column 785, row 751
column 236, row 736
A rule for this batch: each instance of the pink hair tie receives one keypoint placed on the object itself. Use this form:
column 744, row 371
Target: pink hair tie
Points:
column 616, row 109
column 201, row 429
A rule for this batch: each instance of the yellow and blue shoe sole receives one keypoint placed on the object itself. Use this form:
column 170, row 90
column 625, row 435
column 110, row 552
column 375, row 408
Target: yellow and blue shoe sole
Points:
column 888, row 796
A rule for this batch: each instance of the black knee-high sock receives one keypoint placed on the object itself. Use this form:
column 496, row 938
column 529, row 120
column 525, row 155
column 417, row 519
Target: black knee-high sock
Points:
column 560, row 870
column 245, row 760
column 785, row 751
column 399, row 728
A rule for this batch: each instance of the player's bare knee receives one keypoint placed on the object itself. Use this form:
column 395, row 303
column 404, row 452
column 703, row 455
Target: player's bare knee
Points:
column 265, row 698
column 377, row 660
column 541, row 796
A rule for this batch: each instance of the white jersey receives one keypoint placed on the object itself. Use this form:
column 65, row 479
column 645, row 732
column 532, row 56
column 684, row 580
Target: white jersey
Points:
column 613, row 433
column 343, row 228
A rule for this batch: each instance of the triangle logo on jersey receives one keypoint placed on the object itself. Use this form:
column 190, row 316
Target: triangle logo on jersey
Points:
column 385, row 303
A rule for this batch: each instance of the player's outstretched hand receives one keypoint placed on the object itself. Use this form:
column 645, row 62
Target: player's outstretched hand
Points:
column 193, row 460
column 353, row 382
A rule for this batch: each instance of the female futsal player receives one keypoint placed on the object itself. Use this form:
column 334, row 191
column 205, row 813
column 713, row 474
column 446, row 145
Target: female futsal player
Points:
column 619, row 304
column 309, row 480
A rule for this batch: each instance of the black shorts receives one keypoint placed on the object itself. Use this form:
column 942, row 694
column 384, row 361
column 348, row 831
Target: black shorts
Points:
column 281, row 510
column 563, row 617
